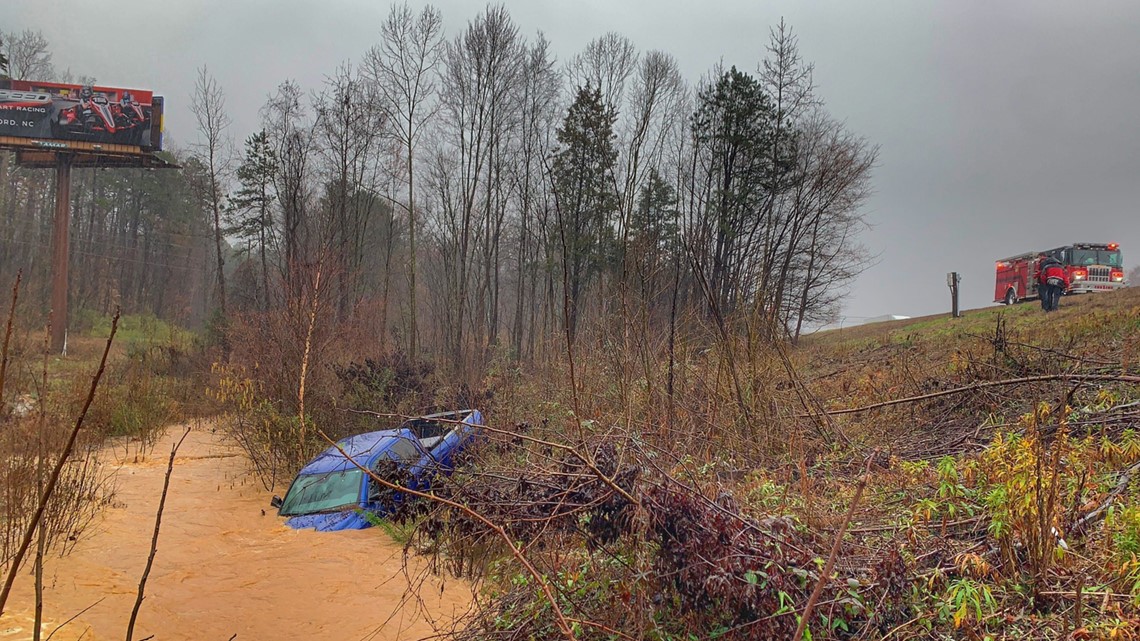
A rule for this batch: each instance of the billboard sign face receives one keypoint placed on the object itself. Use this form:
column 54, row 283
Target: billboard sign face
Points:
column 64, row 112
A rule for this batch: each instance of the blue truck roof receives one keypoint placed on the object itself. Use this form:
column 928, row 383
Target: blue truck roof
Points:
column 362, row 448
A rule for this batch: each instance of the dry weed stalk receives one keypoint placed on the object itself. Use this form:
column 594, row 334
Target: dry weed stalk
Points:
column 41, row 541
column 825, row 575
column 8, row 337
column 154, row 539
column 307, row 351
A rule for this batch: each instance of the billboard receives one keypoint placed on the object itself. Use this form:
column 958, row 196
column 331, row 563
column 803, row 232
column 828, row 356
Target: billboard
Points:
column 63, row 112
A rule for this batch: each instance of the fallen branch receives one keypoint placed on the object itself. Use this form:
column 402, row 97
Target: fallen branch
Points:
column 154, row 539
column 53, row 480
column 1073, row 595
column 1047, row 350
column 1121, row 485
column 1079, row 378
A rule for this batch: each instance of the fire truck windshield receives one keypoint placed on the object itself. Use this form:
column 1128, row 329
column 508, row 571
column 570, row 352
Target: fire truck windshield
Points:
column 1094, row 257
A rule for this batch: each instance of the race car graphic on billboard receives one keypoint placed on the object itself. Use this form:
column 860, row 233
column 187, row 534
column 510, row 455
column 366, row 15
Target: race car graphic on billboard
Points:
column 56, row 111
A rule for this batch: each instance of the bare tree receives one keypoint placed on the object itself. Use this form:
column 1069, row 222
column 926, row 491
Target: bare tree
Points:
column 483, row 65
column 350, row 129
column 788, row 82
column 28, row 55
column 402, row 70
column 605, row 64
column 655, row 102
column 538, row 119
column 209, row 107
column 831, row 183
column 290, row 137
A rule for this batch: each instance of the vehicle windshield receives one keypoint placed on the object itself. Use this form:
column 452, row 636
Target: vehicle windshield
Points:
column 1095, row 257
column 313, row 493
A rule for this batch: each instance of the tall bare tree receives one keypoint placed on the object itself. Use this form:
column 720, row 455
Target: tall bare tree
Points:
column 787, row 79
column 538, row 120
column 285, row 121
column 832, row 182
column 655, row 102
column 350, row 129
column 208, row 104
column 402, row 68
column 480, row 76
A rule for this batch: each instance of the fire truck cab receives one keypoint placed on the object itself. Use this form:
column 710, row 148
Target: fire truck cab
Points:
column 1092, row 267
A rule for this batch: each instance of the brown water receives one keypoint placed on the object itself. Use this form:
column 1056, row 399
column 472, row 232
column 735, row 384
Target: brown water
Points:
column 224, row 566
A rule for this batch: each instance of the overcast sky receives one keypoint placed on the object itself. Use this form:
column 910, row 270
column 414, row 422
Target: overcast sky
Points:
column 1004, row 127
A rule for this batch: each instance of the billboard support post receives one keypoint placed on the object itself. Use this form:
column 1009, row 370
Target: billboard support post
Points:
column 60, row 243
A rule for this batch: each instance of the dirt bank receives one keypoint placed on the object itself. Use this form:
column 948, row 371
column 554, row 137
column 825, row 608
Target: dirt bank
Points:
column 224, row 566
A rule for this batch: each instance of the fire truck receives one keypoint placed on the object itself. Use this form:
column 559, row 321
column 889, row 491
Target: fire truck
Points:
column 1092, row 267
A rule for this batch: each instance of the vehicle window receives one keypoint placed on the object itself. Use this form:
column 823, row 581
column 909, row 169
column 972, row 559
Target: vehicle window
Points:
column 1086, row 257
column 403, row 451
column 433, row 443
column 423, row 428
column 313, row 493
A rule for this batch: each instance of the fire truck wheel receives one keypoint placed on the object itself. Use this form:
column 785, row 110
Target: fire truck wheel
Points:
column 1010, row 297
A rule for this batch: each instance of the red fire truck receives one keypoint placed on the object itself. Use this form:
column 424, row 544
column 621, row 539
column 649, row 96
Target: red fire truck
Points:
column 1092, row 267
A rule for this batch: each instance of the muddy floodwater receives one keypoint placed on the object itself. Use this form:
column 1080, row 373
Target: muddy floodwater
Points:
column 226, row 565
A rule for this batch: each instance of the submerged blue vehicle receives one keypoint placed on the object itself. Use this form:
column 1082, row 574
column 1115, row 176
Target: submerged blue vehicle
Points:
column 332, row 493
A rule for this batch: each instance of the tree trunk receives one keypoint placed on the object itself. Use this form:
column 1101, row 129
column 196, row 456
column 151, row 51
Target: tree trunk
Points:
column 411, row 254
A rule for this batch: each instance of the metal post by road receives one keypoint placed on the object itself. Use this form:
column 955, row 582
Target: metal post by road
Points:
column 952, row 280
column 60, row 244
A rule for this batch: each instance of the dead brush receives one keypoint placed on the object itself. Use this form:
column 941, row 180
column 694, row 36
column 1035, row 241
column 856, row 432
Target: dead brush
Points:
column 271, row 440
column 135, row 405
column 84, row 485
column 70, row 446
column 674, row 563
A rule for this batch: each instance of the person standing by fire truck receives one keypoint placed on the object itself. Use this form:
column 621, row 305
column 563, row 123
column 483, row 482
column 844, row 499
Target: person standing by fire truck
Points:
column 1051, row 282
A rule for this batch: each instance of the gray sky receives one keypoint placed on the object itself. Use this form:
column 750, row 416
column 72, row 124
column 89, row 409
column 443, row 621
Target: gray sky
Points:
column 1004, row 127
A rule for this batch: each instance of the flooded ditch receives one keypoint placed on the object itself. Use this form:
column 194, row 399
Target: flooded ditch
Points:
column 225, row 565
